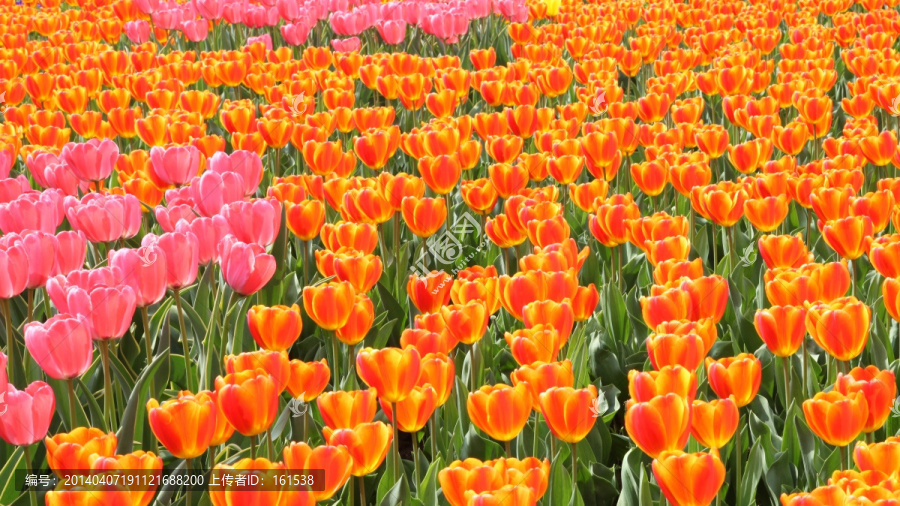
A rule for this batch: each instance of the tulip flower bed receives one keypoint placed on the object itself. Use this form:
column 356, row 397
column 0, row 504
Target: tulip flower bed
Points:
column 460, row 253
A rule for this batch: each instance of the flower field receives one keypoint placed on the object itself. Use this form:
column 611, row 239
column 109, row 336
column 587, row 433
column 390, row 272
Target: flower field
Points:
column 464, row 253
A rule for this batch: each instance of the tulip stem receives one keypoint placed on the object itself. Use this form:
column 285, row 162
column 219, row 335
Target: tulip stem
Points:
column 870, row 437
column 253, row 447
column 855, row 273
column 431, row 424
column 739, row 475
column 808, row 229
column 270, row 446
column 103, row 344
column 30, row 300
column 805, row 367
column 415, row 455
column 13, row 362
column 184, row 343
column 362, row 490
column 304, row 251
column 786, row 364
column 70, row 386
column 32, row 493
column 574, row 465
column 396, row 234
column 336, row 352
column 508, row 449
column 187, row 488
column 552, row 448
column 537, row 437
column 843, row 452
column 395, row 443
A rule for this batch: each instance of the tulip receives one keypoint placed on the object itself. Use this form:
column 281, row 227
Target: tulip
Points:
column 782, row 328
column 335, row 460
column 738, row 376
column 879, row 389
column 542, row 376
column 430, row 292
column 305, row 219
column 104, row 218
column 367, row 443
column 392, row 372
column 249, row 400
column 414, row 411
column 246, row 268
column 825, row 407
column 471, row 476
column 500, row 410
column 676, row 350
column 883, row 457
column 508, row 495
column 346, row 410
column 185, row 426
column 466, row 323
column 176, row 165
column 849, row 237
column 570, row 413
column 661, row 424
column 840, row 327
column 714, row 423
column 224, row 429
column 74, row 450
column 540, row 343
column 275, row 328
column 273, row 363
column 329, row 304
column 784, row 251
column 672, row 304
column 91, row 161
column 645, row 385
column 361, row 271
column 689, row 479
column 254, row 222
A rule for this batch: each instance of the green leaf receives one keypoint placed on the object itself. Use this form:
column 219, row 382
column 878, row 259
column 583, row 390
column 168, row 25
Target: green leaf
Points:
column 615, row 316
column 398, row 494
column 756, row 466
column 632, row 474
column 560, row 491
column 97, row 419
column 126, row 431
column 428, row 490
column 8, row 492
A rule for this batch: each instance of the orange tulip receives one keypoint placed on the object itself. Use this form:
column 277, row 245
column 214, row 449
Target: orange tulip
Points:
column 480, row 195
column 651, row 177
column 738, row 376
column 782, row 328
column 346, row 410
column 661, row 424
column 645, row 385
column 849, row 237
column 673, row 270
column 305, row 219
column 709, row 297
column 185, row 426
column 704, row 327
column 879, row 149
column 72, row 450
column 392, row 372
column 430, row 292
column 467, row 323
column 558, row 315
column 840, row 327
column 329, row 304
column 440, row 173
column 362, row 317
column 335, row 460
column 671, row 349
column 671, row 304
column 471, row 476
column 308, row 379
column 714, row 423
column 541, row 376
column 540, row 343
column 791, row 288
column 766, row 214
column 424, row 216
column 361, row 271
column 367, row 443
column 569, row 413
column 884, row 253
column 722, row 203
column 275, row 328
column 883, row 457
column 439, row 371
column 249, row 400
column 890, row 291
column 689, row 479
column 414, row 411
column 879, row 388
column 784, row 251
column 508, row 179
column 376, row 147
column 822, row 410
column 500, row 410
column 362, row 237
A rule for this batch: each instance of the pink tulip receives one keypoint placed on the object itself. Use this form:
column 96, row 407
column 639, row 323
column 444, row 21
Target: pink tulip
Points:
column 175, row 165
column 246, row 267
column 58, row 287
column 178, row 196
column 209, row 231
column 346, row 45
column 61, row 346
column 42, row 211
column 168, row 217
column 295, row 34
column 11, row 188
column 28, row 414
column 168, row 19
column 105, row 218
column 234, row 12
column 182, row 253
column 13, row 268
column 257, row 221
column 58, row 176
column 71, row 252
column 195, row 30
column 109, row 309
column 36, row 164
column 137, row 31
column 212, row 191
column 144, row 270
column 392, row 32
column 93, row 160
column 7, row 160
column 265, row 39
column 42, row 249
column 212, row 10
column 147, row 6
column 245, row 163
